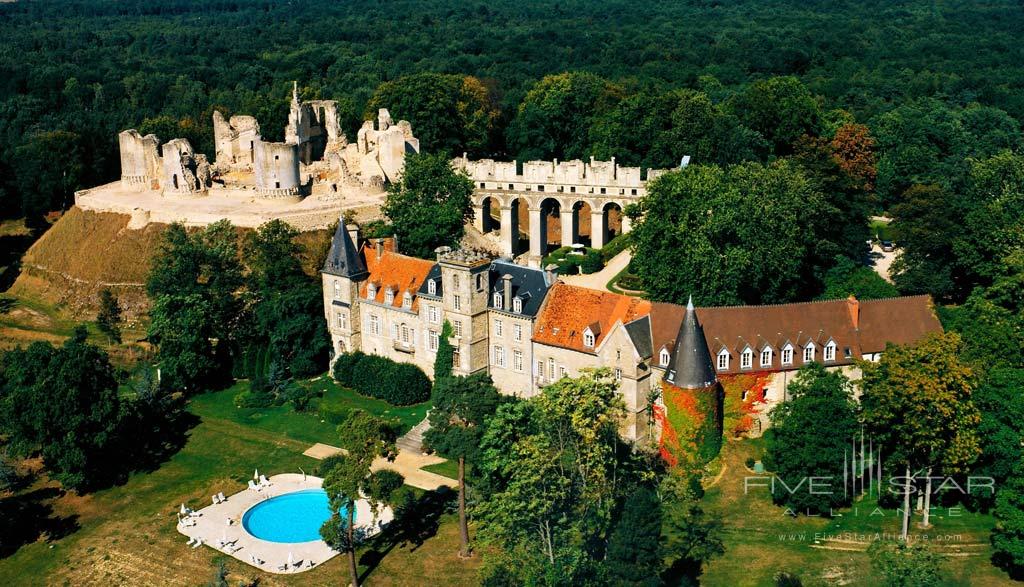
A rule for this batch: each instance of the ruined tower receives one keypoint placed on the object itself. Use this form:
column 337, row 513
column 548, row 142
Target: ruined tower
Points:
column 692, row 433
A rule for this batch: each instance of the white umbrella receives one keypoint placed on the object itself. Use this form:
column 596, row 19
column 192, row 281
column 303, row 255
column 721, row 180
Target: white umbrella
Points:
column 255, row 474
column 184, row 510
column 291, row 560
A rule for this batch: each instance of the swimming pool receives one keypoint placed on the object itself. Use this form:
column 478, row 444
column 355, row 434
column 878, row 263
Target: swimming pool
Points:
column 292, row 517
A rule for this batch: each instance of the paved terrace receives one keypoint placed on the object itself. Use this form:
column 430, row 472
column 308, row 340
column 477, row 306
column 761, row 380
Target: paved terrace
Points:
column 212, row 526
column 239, row 205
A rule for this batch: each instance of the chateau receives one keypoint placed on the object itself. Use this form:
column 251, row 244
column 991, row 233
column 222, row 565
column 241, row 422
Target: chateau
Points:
column 528, row 329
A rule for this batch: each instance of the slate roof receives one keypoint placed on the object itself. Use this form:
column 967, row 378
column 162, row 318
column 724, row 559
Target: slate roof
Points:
column 639, row 332
column 857, row 328
column 343, row 259
column 529, row 284
column 569, row 310
column 399, row 272
column 690, row 365
column 435, row 274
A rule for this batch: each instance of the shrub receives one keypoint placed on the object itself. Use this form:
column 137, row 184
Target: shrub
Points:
column 324, row 466
column 614, row 247
column 591, row 262
column 255, row 399
column 400, row 384
column 750, row 462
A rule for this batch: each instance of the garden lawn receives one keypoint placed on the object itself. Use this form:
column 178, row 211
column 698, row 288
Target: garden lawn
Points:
column 126, row 535
column 762, row 540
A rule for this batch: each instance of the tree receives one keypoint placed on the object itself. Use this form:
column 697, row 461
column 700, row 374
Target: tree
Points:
column 635, row 555
column 365, row 438
column 62, row 402
column 43, row 185
column 450, row 113
column 445, row 357
column 994, row 193
column 197, row 315
column 553, row 472
column 917, row 406
column 556, row 115
column 429, row 206
column 781, row 109
column 906, row 565
column 811, row 435
column 109, row 318
column 1000, row 431
column 689, row 535
column 1008, row 534
column 925, row 226
column 701, row 230
column 848, row 278
column 462, row 406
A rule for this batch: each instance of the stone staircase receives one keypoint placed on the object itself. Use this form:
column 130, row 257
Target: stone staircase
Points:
column 412, row 440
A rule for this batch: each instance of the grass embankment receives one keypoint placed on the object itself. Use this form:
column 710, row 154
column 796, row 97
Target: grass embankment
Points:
column 761, row 539
column 126, row 535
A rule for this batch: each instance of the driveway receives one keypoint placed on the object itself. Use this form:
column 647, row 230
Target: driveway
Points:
column 600, row 279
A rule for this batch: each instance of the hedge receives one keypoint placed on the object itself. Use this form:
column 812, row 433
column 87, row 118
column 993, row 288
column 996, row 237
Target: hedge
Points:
column 399, row 384
column 614, row 247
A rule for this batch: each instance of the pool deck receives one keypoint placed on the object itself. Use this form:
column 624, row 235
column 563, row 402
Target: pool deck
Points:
column 212, row 524
column 409, row 464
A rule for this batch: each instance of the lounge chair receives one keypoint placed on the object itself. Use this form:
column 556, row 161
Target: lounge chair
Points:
column 215, row 500
column 199, row 542
column 190, row 541
column 254, row 487
column 221, row 497
column 264, row 481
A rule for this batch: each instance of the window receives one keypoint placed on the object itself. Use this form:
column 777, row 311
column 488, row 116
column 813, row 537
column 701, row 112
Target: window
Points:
column 374, row 324
column 407, row 300
column 457, row 328
column 723, row 360
column 342, row 320
column 517, row 332
column 371, row 291
column 588, row 338
column 746, row 358
column 618, row 374
column 432, row 340
column 479, row 282
column 457, row 358
column 433, row 314
column 830, row 351
column 766, row 357
column 405, row 334
column 337, row 289
column 517, row 305
column 497, row 300
column 432, row 287
column 540, row 369
column 551, row 368
column 455, row 280
column 663, row 358
column 389, row 296
column 540, row 188
column 458, row 302
column 497, row 328
column 562, row 372
column 517, row 360
column 787, row 354
column 809, row 352
column 499, row 356
column 572, row 190
column 394, row 331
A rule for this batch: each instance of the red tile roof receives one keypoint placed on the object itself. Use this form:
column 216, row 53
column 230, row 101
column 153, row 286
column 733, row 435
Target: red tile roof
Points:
column 569, row 310
column 399, row 272
column 862, row 327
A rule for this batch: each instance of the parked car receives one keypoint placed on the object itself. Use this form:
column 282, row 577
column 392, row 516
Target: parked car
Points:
column 888, row 246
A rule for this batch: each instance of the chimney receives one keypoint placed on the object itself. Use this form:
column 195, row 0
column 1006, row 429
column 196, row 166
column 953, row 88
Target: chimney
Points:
column 380, row 248
column 552, row 273
column 853, row 305
column 506, row 296
column 353, row 233
column 442, row 251
column 394, row 243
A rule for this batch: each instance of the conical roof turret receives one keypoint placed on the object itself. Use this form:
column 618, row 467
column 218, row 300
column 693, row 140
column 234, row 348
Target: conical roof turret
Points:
column 343, row 259
column 690, row 366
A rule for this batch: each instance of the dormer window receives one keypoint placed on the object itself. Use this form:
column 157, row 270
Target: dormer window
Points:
column 432, row 287
column 723, row 360
column 663, row 358
column 809, row 352
column 766, row 357
column 389, row 296
column 517, row 305
column 746, row 358
column 496, row 300
column 588, row 338
column 371, row 291
column 407, row 300
column 830, row 351
column 787, row 354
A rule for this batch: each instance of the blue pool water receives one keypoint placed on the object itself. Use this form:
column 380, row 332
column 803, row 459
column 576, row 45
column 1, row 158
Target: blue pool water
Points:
column 292, row 517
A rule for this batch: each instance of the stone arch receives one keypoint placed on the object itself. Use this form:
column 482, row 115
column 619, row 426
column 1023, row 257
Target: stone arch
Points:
column 550, row 224
column 490, row 214
column 518, row 233
column 611, row 224
column 582, row 214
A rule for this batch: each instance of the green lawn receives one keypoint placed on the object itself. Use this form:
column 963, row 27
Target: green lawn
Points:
column 126, row 535
column 449, row 469
column 881, row 230
column 762, row 540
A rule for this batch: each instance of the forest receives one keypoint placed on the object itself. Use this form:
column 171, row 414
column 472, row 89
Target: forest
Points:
column 73, row 74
